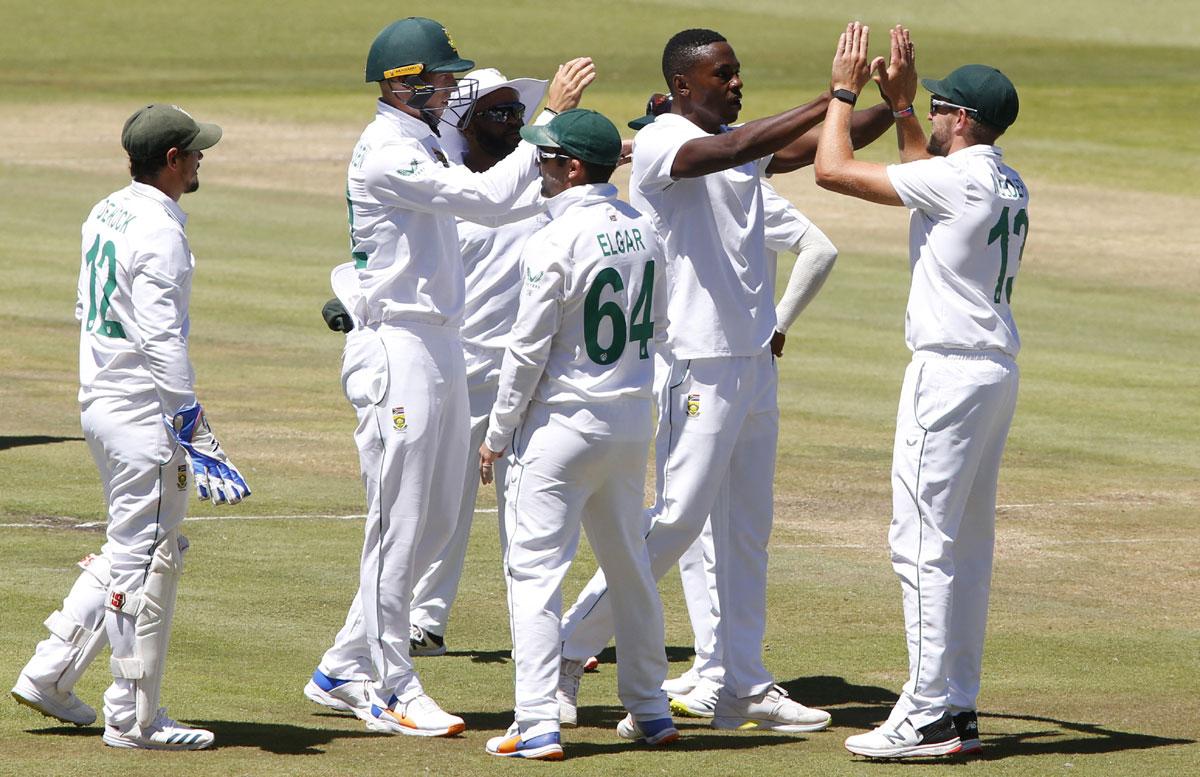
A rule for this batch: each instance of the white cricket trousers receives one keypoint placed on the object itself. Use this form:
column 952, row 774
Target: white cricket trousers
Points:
column 146, row 481
column 722, row 431
column 573, row 465
column 435, row 592
column 955, row 411
column 409, row 384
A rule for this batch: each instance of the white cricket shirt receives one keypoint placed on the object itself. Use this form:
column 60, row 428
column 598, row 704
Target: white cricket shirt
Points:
column 492, row 260
column 403, row 197
column 591, row 309
column 721, row 300
column 966, row 234
column 135, row 279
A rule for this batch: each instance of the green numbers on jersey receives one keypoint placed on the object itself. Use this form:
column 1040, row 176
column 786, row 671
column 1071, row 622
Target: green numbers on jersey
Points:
column 1000, row 231
column 639, row 328
column 98, row 258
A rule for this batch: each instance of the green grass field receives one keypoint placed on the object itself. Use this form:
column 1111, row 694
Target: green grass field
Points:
column 1093, row 657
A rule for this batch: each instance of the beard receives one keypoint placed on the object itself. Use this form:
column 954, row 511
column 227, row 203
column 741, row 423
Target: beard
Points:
column 497, row 146
column 937, row 144
column 193, row 186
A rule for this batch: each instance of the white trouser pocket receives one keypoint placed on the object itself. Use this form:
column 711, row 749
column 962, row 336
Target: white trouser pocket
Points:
column 364, row 368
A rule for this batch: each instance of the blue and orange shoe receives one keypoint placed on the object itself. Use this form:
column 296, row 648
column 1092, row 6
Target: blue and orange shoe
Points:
column 544, row 747
column 653, row 732
column 414, row 714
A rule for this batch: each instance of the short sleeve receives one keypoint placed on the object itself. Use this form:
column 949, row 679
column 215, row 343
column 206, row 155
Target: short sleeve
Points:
column 654, row 150
column 933, row 186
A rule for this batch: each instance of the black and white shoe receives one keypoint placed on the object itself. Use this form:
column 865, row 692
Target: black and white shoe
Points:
column 904, row 741
column 967, row 725
column 425, row 643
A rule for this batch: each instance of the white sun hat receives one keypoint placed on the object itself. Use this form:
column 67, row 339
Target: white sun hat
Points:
column 530, row 92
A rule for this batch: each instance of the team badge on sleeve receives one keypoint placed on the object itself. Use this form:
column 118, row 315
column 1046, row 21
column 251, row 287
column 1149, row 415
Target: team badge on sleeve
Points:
column 693, row 405
column 116, row 600
column 181, row 477
column 399, row 422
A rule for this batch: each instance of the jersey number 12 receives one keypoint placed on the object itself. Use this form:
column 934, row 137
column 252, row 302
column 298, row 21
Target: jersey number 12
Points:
column 1020, row 224
column 639, row 329
column 95, row 257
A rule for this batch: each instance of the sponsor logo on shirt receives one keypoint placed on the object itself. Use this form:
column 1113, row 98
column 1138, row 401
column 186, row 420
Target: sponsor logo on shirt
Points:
column 399, row 422
column 693, row 405
column 116, row 600
column 412, row 168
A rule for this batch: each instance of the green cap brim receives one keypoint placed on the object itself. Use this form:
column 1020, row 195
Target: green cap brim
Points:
column 207, row 137
column 539, row 135
column 934, row 86
column 454, row 66
column 641, row 121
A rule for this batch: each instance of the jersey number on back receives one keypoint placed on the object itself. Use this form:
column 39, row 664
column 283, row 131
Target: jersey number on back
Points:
column 97, row 321
column 639, row 329
column 1020, row 227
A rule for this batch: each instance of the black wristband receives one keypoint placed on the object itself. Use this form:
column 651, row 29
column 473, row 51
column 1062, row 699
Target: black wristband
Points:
column 845, row 95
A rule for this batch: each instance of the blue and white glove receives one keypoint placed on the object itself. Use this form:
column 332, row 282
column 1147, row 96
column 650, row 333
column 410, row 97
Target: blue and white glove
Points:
column 216, row 477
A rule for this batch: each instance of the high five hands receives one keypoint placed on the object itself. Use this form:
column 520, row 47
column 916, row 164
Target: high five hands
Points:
column 896, row 76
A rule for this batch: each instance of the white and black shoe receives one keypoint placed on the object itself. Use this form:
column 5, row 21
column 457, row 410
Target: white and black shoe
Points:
column 966, row 724
column 681, row 685
column 904, row 741
column 336, row 694
column 422, row 642
column 162, row 734
column 700, row 702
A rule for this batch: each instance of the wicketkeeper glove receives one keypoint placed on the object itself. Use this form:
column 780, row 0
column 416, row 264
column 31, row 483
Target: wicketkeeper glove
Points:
column 215, row 475
column 336, row 316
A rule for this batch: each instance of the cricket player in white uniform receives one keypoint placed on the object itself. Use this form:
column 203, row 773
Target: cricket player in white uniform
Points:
column 701, row 181
column 574, row 405
column 967, row 230
column 491, row 258
column 407, row 366
column 141, row 421
column 695, row 692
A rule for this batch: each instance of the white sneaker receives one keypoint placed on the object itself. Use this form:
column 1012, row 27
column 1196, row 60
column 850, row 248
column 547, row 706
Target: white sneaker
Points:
column 162, row 734
column 700, row 703
column 569, row 675
column 417, row 715
column 47, row 700
column 681, row 685
column 653, row 732
column 425, row 643
column 771, row 710
column 340, row 695
column 543, row 747
column 905, row 741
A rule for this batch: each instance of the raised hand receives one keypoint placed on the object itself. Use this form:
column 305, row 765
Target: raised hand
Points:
column 851, row 63
column 898, row 80
column 569, row 82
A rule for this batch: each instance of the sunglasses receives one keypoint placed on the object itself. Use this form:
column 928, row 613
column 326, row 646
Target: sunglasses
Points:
column 503, row 112
column 546, row 155
column 936, row 103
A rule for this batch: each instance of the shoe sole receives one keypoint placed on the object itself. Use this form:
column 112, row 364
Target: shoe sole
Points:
column 127, row 744
column 750, row 724
column 678, row 707
column 971, row 747
column 426, row 652
column 953, row 747
column 318, row 695
column 545, row 753
column 378, row 724
column 635, row 735
column 36, row 705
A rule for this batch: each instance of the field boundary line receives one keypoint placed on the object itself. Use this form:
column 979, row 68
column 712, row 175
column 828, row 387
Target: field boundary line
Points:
column 66, row 522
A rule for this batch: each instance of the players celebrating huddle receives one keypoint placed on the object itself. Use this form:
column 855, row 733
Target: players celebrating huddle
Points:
column 507, row 317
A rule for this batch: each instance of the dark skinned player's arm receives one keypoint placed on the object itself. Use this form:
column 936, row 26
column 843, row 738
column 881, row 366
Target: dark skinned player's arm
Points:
column 753, row 140
column 866, row 126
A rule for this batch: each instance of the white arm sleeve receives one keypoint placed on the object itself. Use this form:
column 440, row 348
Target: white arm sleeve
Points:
column 403, row 176
column 160, row 318
column 815, row 256
column 539, row 316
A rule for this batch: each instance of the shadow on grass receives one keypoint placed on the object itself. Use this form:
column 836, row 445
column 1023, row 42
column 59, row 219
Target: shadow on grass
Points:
column 688, row 743
column 21, row 441
column 869, row 706
column 1080, row 738
column 277, row 738
column 482, row 656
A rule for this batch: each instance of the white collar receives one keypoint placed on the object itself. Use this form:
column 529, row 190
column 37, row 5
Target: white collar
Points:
column 587, row 194
column 406, row 124
column 156, row 194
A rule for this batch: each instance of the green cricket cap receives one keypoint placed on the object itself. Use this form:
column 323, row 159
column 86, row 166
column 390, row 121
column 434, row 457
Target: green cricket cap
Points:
column 583, row 134
column 156, row 128
column 412, row 46
column 983, row 88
